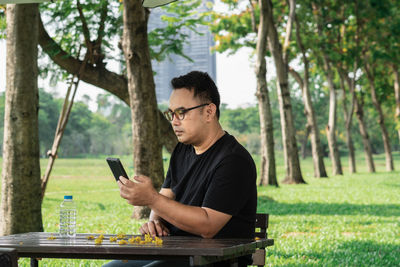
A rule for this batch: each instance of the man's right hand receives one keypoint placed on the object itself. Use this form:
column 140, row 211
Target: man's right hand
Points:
column 154, row 228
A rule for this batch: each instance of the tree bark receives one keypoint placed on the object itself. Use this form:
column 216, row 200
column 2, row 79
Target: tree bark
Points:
column 359, row 103
column 304, row 142
column 317, row 155
column 331, row 127
column 348, row 115
column 397, row 96
column 142, row 98
column 292, row 163
column 268, row 165
column 381, row 118
column 21, row 192
column 101, row 77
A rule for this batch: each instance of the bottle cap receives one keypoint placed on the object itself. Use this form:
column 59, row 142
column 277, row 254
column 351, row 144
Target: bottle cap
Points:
column 67, row 197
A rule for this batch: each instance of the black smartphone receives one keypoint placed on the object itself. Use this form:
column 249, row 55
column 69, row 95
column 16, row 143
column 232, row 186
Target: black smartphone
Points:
column 117, row 168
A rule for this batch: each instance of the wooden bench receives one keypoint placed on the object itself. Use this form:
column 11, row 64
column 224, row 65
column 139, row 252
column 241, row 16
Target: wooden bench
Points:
column 261, row 232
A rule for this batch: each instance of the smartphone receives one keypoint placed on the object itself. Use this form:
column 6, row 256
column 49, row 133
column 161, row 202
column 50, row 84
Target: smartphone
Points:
column 117, row 168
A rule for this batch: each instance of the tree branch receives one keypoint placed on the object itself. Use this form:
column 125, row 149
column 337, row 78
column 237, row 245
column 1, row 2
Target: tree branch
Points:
column 103, row 16
column 253, row 17
column 98, row 76
column 289, row 26
column 85, row 28
column 297, row 77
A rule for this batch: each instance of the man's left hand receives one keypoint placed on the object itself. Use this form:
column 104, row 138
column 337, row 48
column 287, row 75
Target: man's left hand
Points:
column 139, row 192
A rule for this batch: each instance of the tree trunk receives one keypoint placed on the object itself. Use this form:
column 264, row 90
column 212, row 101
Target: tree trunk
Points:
column 99, row 76
column 397, row 96
column 142, row 98
column 331, row 127
column 363, row 131
column 348, row 118
column 292, row 163
column 381, row 119
column 304, row 142
column 21, row 192
column 268, row 167
column 317, row 155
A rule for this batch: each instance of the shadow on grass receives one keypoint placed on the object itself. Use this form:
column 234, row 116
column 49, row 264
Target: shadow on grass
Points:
column 346, row 253
column 277, row 208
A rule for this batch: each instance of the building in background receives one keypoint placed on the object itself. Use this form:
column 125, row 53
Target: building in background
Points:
column 197, row 47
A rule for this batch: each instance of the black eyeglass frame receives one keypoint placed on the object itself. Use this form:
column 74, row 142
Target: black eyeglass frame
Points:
column 180, row 112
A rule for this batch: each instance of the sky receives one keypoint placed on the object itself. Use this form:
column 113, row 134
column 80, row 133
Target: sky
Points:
column 235, row 78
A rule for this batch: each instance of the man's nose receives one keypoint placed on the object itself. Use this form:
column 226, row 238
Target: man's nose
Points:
column 175, row 120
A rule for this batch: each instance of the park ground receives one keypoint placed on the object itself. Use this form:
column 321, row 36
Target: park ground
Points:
column 349, row 220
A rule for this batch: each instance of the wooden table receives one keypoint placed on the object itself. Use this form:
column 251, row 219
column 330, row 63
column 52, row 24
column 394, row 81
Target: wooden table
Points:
column 199, row 251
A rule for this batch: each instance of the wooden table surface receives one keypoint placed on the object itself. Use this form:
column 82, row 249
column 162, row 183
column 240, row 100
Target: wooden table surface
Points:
column 200, row 251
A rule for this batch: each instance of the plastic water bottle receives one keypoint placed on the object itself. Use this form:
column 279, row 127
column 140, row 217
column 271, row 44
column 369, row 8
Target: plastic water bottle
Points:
column 67, row 218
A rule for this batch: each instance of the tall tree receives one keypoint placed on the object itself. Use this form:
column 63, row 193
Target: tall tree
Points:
column 397, row 95
column 268, row 169
column 20, row 192
column 321, row 20
column 311, row 127
column 281, row 59
column 382, row 50
column 348, row 115
column 359, row 110
column 142, row 97
column 348, row 46
column 381, row 119
column 234, row 31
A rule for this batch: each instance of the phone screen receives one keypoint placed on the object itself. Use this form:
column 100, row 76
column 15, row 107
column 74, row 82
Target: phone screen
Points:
column 117, row 168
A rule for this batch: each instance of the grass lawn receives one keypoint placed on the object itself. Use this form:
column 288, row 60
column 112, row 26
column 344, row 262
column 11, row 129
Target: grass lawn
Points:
column 349, row 220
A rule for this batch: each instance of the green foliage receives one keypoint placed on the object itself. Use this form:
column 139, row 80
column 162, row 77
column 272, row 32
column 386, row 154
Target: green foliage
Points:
column 242, row 120
column 104, row 132
column 3, row 24
column 233, row 30
column 2, row 106
column 49, row 110
column 182, row 19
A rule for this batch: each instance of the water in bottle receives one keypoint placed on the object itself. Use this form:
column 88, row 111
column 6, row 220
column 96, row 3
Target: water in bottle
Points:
column 67, row 218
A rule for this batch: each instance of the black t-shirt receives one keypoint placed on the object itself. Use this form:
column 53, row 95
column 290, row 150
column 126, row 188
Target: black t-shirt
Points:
column 223, row 178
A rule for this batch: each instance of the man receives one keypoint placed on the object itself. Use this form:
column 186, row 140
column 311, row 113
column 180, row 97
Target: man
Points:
column 210, row 187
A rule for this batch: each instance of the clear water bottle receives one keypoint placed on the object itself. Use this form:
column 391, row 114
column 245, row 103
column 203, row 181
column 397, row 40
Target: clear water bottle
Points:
column 67, row 218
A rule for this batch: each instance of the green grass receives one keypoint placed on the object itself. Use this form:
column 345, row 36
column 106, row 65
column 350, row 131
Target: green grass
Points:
column 349, row 220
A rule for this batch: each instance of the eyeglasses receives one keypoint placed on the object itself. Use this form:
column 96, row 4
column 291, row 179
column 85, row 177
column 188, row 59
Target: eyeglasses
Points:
column 180, row 112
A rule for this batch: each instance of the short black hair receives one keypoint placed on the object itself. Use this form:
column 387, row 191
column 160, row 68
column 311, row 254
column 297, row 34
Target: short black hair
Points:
column 202, row 85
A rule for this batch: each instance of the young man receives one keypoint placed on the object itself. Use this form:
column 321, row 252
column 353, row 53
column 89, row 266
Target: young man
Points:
column 210, row 188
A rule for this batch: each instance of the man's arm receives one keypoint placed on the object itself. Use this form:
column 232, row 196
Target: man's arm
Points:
column 201, row 221
column 155, row 225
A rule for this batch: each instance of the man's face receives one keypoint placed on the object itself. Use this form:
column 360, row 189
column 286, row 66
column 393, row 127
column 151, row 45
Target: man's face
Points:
column 191, row 129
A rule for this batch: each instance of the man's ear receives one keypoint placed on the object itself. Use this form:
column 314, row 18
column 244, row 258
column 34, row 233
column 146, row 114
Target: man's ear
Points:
column 211, row 110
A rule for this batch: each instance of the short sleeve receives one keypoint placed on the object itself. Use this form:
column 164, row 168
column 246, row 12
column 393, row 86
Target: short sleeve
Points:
column 232, row 185
column 167, row 181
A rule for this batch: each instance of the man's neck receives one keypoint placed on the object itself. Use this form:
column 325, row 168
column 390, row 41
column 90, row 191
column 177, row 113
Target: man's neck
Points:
column 208, row 142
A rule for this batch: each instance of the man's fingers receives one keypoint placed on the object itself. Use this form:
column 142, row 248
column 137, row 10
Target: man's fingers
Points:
column 159, row 228
column 142, row 231
column 152, row 228
column 123, row 180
